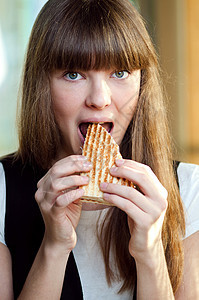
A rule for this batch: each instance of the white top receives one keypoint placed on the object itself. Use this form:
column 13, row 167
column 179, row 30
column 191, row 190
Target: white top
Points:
column 87, row 251
column 188, row 176
column 90, row 263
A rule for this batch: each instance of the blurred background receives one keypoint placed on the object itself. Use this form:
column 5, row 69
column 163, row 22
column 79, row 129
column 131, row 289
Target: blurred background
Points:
column 174, row 28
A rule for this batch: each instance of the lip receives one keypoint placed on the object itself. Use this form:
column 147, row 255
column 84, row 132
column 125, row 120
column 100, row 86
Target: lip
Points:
column 94, row 120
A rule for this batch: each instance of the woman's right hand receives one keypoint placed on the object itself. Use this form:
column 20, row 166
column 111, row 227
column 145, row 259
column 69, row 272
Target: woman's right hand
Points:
column 58, row 197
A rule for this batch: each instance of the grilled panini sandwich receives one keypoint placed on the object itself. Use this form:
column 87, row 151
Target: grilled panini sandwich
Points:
column 100, row 149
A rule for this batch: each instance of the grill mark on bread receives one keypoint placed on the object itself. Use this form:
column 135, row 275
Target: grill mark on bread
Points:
column 94, row 142
column 86, row 141
column 101, row 149
column 112, row 161
column 96, row 159
column 107, row 156
column 89, row 138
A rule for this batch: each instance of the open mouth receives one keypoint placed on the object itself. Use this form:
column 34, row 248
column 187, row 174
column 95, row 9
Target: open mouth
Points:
column 84, row 126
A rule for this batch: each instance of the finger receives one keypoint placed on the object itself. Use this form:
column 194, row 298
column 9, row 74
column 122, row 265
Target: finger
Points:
column 65, row 183
column 67, row 198
column 132, row 210
column 132, row 163
column 139, row 213
column 140, row 175
column 70, row 165
column 129, row 194
column 56, row 187
column 49, row 185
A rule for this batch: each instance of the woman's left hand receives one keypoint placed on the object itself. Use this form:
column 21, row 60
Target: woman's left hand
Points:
column 145, row 207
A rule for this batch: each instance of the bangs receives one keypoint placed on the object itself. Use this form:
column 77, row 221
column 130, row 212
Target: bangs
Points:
column 94, row 36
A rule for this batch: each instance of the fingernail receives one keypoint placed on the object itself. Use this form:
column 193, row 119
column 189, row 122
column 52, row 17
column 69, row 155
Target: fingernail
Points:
column 80, row 192
column 119, row 162
column 85, row 179
column 103, row 185
column 87, row 164
column 106, row 196
column 114, row 169
column 82, row 157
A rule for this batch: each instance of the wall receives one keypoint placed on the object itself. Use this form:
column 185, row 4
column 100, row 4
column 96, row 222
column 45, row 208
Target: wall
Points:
column 192, row 60
column 16, row 19
column 174, row 26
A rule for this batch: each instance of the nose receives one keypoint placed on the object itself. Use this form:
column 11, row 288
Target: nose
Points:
column 99, row 94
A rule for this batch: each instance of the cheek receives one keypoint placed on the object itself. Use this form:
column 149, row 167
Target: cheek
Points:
column 126, row 112
column 57, row 98
column 128, row 105
column 64, row 105
column 60, row 96
column 132, row 100
column 59, row 108
column 129, row 98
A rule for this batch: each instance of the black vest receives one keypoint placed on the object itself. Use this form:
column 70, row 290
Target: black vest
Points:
column 24, row 227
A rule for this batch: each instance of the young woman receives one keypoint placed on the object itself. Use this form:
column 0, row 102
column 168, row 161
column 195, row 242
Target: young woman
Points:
column 93, row 61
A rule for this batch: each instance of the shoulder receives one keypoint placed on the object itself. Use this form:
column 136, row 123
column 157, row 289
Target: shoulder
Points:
column 14, row 167
column 2, row 181
column 10, row 161
column 2, row 203
column 1, row 170
column 188, row 170
column 2, row 175
column 188, row 176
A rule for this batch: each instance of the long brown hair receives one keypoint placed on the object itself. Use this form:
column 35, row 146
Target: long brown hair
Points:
column 88, row 34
